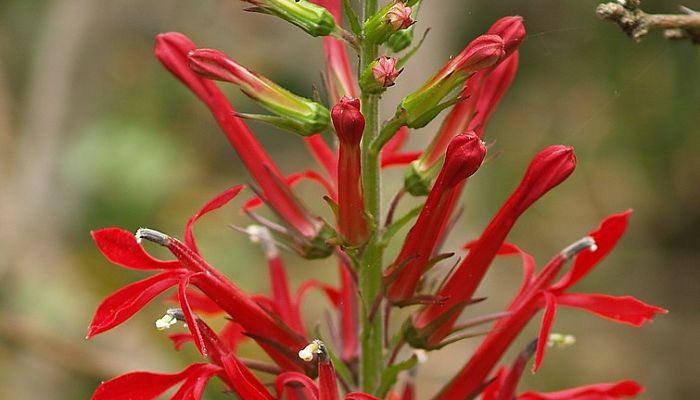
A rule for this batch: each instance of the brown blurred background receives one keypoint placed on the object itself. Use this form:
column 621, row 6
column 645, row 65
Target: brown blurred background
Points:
column 94, row 133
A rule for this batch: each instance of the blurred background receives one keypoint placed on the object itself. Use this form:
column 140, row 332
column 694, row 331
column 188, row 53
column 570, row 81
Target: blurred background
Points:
column 95, row 133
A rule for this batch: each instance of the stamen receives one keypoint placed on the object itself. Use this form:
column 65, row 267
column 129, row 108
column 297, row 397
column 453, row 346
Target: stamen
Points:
column 260, row 234
column 560, row 340
column 315, row 347
column 171, row 317
column 152, row 235
column 587, row 243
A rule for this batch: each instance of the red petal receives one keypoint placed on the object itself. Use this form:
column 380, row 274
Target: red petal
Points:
column 232, row 334
column 147, row 385
column 295, row 379
column 292, row 180
column 623, row 309
column 606, row 237
column 217, row 202
column 600, row 391
column 396, row 142
column 120, row 247
column 491, row 391
column 199, row 302
column 281, row 296
column 332, row 293
column 360, row 396
column 127, row 301
column 550, row 311
column 324, row 155
column 189, row 317
column 179, row 339
column 193, row 387
column 327, row 381
column 400, row 158
column 508, row 249
column 246, row 385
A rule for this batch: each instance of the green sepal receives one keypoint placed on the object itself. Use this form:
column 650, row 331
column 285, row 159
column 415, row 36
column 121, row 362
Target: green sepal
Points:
column 391, row 374
column 311, row 18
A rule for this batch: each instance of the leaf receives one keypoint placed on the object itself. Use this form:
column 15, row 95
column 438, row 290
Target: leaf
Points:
column 352, row 18
column 390, row 375
column 400, row 223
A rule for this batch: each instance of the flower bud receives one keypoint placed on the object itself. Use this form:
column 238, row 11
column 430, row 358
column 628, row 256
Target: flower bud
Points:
column 349, row 125
column 379, row 75
column 294, row 113
column 464, row 156
column 421, row 106
column 348, row 121
column 392, row 18
column 511, row 29
column 313, row 19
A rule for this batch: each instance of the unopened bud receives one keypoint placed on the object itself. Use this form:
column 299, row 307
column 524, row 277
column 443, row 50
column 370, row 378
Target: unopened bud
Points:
column 511, row 29
column 379, row 75
column 348, row 120
column 313, row 19
column 294, row 113
column 421, row 106
column 548, row 168
column 392, row 18
column 464, row 156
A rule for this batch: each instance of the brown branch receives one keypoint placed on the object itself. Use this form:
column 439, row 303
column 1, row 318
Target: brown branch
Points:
column 636, row 23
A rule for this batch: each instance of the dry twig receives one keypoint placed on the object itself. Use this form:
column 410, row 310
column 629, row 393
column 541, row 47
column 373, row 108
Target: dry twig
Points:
column 636, row 23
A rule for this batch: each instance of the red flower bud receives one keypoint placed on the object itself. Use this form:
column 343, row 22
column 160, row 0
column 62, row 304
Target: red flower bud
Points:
column 511, row 29
column 348, row 120
column 464, row 156
column 349, row 125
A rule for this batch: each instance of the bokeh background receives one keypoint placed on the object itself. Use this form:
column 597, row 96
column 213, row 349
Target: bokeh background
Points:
column 94, row 133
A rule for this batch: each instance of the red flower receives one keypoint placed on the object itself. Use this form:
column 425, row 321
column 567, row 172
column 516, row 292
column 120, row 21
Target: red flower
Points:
column 122, row 248
column 464, row 156
column 540, row 292
column 548, row 168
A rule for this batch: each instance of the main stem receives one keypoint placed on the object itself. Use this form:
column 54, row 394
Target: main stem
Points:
column 371, row 358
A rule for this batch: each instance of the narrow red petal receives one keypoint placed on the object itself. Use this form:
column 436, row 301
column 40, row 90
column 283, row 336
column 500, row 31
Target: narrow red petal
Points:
column 179, row 339
column 600, row 391
column 232, row 334
column 331, row 293
column 397, row 159
column 120, row 247
column 396, row 142
column 293, row 180
column 127, row 301
column 623, row 309
column 550, row 310
column 217, row 202
column 360, row 396
column 295, row 380
column 147, row 385
column 491, row 391
column 606, row 237
column 326, row 157
column 194, row 385
column 327, row 381
column 189, row 317
column 199, row 302
column 246, row 385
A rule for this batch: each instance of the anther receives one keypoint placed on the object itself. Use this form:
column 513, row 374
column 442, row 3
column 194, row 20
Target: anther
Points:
column 171, row 317
column 587, row 243
column 315, row 347
column 152, row 235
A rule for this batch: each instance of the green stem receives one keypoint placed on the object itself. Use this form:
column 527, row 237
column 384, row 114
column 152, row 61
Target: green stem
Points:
column 370, row 271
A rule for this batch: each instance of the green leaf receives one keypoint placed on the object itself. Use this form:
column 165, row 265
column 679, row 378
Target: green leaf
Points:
column 400, row 223
column 391, row 374
column 353, row 19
